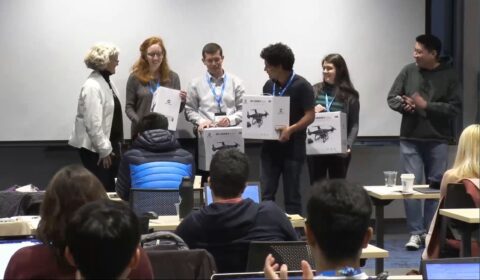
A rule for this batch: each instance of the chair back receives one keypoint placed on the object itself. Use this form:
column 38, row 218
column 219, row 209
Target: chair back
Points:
column 231, row 257
column 457, row 197
column 181, row 264
column 290, row 253
column 160, row 201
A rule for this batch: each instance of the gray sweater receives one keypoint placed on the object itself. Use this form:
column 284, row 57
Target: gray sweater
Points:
column 440, row 88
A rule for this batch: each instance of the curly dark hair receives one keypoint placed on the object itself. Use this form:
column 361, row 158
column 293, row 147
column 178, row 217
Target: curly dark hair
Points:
column 279, row 54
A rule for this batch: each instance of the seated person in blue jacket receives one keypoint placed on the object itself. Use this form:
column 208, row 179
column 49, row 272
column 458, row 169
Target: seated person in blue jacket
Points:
column 155, row 161
column 226, row 226
column 103, row 240
column 337, row 228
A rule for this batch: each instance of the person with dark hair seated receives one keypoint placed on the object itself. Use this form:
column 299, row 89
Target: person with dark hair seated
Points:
column 155, row 161
column 231, row 220
column 337, row 229
column 103, row 240
column 70, row 188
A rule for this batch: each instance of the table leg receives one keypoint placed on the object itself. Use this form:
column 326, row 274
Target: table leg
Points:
column 379, row 236
column 466, row 241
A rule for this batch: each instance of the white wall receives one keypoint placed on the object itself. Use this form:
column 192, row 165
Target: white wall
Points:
column 43, row 43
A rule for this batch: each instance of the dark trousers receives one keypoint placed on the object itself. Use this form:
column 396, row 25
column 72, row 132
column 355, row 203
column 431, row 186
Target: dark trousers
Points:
column 336, row 166
column 290, row 169
column 106, row 176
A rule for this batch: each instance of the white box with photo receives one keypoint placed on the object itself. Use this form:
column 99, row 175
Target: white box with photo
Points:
column 211, row 140
column 262, row 115
column 327, row 134
column 167, row 102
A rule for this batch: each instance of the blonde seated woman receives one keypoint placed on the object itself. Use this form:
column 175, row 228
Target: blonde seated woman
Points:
column 466, row 169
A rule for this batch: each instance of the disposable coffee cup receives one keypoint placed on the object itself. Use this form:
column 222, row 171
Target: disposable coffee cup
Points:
column 407, row 182
column 390, row 178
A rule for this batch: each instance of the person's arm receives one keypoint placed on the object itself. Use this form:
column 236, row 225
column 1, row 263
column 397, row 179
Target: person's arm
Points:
column 306, row 120
column 238, row 91
column 394, row 99
column 131, row 99
column 192, row 108
column 352, row 120
column 451, row 106
column 93, row 120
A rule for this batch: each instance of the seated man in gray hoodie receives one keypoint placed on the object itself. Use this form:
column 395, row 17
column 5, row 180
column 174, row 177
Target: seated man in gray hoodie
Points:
column 226, row 226
column 155, row 161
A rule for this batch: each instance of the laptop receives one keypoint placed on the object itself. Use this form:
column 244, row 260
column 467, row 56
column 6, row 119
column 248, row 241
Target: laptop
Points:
column 10, row 244
column 434, row 187
column 451, row 268
column 252, row 191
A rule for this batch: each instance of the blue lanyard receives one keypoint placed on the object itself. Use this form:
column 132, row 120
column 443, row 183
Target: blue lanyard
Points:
column 328, row 105
column 282, row 92
column 346, row 271
column 218, row 98
column 153, row 88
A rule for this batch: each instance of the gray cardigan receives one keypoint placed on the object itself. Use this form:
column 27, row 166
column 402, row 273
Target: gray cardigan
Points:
column 139, row 98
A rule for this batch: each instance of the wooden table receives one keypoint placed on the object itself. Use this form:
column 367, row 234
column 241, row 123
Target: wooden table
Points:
column 381, row 196
column 467, row 216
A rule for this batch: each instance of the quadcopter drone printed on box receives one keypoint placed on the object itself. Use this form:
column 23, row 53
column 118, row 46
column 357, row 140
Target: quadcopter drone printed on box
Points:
column 256, row 118
column 320, row 133
column 224, row 146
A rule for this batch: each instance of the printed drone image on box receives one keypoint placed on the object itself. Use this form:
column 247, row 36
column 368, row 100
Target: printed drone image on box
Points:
column 216, row 138
column 327, row 134
column 262, row 115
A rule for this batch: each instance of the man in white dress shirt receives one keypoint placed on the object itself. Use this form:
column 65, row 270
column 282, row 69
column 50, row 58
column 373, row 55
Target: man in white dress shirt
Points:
column 215, row 98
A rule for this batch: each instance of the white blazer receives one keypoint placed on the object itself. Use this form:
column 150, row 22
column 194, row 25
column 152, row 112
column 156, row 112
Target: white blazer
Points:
column 93, row 121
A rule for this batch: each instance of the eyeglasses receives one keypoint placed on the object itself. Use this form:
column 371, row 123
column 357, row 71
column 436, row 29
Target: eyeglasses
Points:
column 155, row 54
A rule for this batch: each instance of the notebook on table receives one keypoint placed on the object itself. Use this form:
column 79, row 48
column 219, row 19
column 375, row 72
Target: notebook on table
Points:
column 9, row 245
column 252, row 191
column 451, row 268
column 434, row 187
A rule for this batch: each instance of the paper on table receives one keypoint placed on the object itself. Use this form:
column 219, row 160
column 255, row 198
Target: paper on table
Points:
column 167, row 101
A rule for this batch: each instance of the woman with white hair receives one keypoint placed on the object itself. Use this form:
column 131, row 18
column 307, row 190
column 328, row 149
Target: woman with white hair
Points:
column 98, row 129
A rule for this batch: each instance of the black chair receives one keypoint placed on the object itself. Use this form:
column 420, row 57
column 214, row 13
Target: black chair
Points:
column 162, row 202
column 181, row 264
column 456, row 197
column 290, row 253
column 229, row 257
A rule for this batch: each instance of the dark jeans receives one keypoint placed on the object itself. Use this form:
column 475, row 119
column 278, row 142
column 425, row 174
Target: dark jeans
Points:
column 290, row 169
column 106, row 176
column 335, row 165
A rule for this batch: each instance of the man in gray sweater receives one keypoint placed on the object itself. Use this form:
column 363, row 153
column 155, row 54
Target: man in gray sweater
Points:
column 426, row 93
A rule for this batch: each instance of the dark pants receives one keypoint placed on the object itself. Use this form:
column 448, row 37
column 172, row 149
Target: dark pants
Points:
column 106, row 176
column 335, row 165
column 290, row 169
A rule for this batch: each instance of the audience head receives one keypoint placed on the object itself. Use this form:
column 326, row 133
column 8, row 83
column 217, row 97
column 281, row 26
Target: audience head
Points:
column 103, row 239
column 338, row 215
column 102, row 56
column 467, row 160
column 228, row 173
column 69, row 189
column 278, row 55
column 152, row 121
column 152, row 61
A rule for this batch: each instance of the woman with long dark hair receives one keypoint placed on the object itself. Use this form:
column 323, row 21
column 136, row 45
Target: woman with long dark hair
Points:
column 335, row 93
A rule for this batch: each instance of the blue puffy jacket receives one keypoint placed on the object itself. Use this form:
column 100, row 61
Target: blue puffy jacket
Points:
column 155, row 161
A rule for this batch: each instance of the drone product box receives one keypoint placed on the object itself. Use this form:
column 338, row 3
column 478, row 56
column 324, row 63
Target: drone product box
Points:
column 217, row 138
column 327, row 134
column 262, row 115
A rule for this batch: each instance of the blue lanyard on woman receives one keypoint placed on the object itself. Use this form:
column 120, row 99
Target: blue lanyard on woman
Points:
column 346, row 271
column 328, row 105
column 218, row 98
column 153, row 88
column 282, row 92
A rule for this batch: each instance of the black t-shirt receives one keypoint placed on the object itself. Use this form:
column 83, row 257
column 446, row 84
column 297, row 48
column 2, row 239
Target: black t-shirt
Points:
column 301, row 100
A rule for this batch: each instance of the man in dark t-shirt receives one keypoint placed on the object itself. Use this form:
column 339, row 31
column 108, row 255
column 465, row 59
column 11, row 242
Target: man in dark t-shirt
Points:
column 286, row 155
